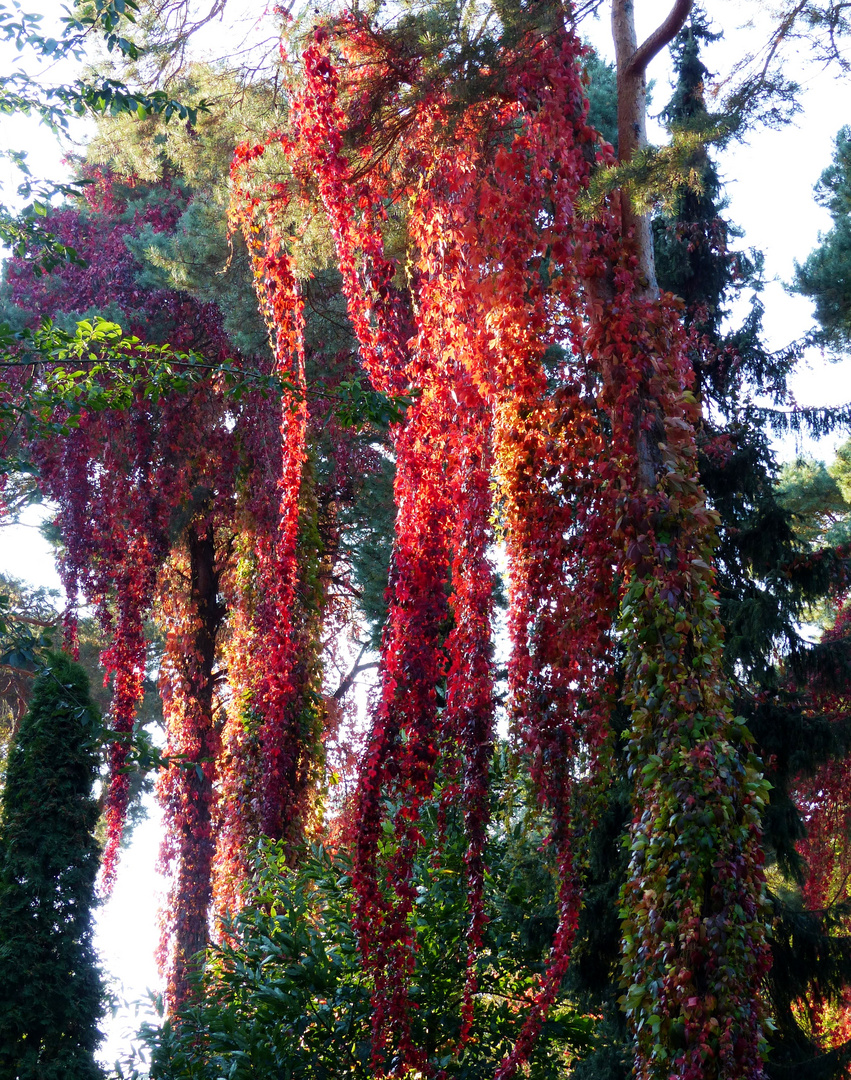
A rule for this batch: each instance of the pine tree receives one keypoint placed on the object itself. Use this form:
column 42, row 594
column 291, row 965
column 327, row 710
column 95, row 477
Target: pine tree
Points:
column 51, row 994
column 826, row 274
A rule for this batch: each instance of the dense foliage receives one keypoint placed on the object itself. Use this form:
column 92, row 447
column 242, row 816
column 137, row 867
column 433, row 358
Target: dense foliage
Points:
column 51, row 994
column 187, row 532
column 289, row 993
column 396, row 310
column 486, row 306
column 825, row 275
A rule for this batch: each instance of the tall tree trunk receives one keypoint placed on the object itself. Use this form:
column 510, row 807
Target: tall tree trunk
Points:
column 187, row 789
column 694, row 911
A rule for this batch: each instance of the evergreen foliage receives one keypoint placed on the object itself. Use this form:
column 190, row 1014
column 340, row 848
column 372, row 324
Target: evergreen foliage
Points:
column 818, row 497
column 27, row 617
column 602, row 98
column 826, row 275
column 54, row 104
column 30, row 623
column 51, row 995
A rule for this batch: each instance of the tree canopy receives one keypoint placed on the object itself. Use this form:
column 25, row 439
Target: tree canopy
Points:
column 420, row 358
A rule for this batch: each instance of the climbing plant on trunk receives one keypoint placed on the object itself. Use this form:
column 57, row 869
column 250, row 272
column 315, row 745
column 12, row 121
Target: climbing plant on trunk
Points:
column 594, row 461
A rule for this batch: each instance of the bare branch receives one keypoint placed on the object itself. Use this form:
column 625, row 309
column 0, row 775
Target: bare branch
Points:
column 29, row 621
column 661, row 36
column 783, row 29
column 10, row 670
column 357, row 668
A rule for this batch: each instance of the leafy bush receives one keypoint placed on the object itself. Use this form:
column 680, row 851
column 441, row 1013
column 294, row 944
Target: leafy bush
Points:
column 286, row 996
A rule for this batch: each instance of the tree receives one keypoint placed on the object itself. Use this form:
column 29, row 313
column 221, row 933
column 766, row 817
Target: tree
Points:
column 51, row 995
column 811, row 934
column 27, row 617
column 547, row 387
column 767, row 581
column 627, row 345
column 166, row 506
column 816, row 495
column 643, row 387
column 200, row 541
column 149, row 530
column 826, row 275
column 23, row 92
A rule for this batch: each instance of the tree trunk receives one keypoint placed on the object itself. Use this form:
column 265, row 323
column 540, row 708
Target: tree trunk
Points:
column 188, row 698
column 694, row 911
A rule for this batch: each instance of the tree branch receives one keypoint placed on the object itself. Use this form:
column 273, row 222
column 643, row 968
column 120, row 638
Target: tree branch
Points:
column 357, row 668
column 14, row 672
column 29, row 620
column 661, row 36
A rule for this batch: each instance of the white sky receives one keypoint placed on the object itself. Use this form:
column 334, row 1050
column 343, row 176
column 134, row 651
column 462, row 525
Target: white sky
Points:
column 769, row 185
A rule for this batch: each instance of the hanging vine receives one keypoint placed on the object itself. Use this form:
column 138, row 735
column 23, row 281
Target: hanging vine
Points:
column 593, row 452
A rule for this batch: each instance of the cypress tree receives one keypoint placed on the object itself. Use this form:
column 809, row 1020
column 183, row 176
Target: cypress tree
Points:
column 51, row 993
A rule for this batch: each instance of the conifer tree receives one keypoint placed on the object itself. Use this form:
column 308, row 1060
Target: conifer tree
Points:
column 767, row 578
column 826, row 275
column 51, row 994
column 766, row 581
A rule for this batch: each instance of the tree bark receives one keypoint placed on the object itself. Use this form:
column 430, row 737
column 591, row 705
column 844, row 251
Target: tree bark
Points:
column 193, row 695
column 632, row 62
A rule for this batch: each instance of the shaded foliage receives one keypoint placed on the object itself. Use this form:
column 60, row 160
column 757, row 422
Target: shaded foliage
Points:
column 289, row 992
column 51, row 995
